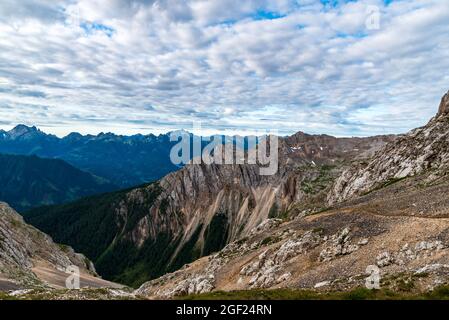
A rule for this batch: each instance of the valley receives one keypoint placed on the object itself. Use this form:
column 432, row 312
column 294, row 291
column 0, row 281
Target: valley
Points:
column 335, row 209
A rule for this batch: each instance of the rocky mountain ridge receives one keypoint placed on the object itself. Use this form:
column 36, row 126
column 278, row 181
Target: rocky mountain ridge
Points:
column 124, row 160
column 444, row 105
column 225, row 227
column 200, row 208
column 422, row 149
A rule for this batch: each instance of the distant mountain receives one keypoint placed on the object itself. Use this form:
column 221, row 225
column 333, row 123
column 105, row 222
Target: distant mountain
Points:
column 124, row 160
column 30, row 181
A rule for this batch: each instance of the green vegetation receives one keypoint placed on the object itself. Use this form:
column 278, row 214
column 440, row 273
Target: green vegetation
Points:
column 266, row 241
column 385, row 184
column 269, row 240
column 241, row 241
column 318, row 230
column 275, row 213
column 63, row 247
column 83, row 294
column 93, row 226
column 216, row 233
column 101, row 226
column 123, row 262
column 188, row 253
column 29, row 181
column 440, row 293
column 88, row 225
column 321, row 182
column 5, row 296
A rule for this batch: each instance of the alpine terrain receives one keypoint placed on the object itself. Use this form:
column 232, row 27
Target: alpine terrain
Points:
column 136, row 235
column 31, row 263
column 337, row 211
column 387, row 217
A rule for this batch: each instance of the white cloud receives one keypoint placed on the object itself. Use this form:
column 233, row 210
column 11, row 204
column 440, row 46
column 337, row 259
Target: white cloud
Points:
column 159, row 65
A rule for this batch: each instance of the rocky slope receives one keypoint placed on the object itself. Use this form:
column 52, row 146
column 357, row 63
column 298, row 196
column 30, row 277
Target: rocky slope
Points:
column 395, row 218
column 29, row 259
column 140, row 234
column 329, row 251
column 422, row 149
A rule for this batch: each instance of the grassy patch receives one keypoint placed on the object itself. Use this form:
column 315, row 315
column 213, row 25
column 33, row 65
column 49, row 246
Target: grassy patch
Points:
column 318, row 230
column 269, row 240
column 5, row 296
column 275, row 213
column 440, row 293
column 385, row 184
column 321, row 182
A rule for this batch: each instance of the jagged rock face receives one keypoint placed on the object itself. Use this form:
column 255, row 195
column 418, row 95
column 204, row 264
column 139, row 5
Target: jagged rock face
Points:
column 23, row 246
column 239, row 196
column 333, row 250
column 444, row 105
column 201, row 191
column 418, row 151
column 327, row 149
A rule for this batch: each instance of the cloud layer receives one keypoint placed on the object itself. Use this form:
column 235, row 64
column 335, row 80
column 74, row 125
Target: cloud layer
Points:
column 154, row 66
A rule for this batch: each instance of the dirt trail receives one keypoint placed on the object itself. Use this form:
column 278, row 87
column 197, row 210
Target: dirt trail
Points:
column 57, row 278
column 7, row 285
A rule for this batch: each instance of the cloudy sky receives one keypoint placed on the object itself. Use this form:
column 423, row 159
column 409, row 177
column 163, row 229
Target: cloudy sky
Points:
column 337, row 67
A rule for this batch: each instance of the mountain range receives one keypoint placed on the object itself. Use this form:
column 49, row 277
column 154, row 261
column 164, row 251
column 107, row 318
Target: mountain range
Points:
column 136, row 235
column 125, row 161
column 30, row 181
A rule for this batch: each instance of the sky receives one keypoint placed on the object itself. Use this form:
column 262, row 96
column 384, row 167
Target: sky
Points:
column 345, row 68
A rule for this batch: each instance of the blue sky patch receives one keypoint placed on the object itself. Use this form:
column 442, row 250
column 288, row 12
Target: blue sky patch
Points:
column 93, row 27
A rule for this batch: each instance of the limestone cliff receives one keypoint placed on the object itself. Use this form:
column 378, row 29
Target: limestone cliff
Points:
column 422, row 149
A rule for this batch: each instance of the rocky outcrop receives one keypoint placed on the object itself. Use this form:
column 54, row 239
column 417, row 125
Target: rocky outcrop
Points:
column 409, row 253
column 444, row 105
column 243, row 199
column 22, row 247
column 339, row 244
column 421, row 150
column 340, row 254
column 267, row 270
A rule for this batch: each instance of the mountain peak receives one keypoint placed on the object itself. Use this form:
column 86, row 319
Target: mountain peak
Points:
column 22, row 127
column 444, row 105
column 73, row 135
column 21, row 130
